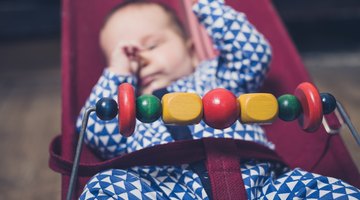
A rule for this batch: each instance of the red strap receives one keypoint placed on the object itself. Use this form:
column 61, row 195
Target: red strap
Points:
column 223, row 165
column 176, row 153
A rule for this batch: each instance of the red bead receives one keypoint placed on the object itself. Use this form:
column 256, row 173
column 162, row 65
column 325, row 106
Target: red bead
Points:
column 221, row 109
column 309, row 97
column 127, row 112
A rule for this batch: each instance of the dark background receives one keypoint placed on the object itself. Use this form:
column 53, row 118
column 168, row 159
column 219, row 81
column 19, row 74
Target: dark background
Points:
column 326, row 33
column 314, row 25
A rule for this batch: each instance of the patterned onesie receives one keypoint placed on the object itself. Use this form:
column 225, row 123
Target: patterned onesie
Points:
column 240, row 67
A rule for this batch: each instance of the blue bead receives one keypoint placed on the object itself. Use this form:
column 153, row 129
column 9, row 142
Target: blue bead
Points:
column 106, row 108
column 328, row 102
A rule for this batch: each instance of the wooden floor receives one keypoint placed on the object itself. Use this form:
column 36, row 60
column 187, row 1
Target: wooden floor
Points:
column 30, row 111
column 30, row 117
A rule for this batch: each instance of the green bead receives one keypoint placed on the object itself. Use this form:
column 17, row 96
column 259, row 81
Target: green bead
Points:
column 289, row 107
column 148, row 108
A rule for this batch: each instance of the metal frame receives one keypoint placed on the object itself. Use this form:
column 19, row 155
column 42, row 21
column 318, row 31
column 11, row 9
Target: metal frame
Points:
column 343, row 118
column 78, row 152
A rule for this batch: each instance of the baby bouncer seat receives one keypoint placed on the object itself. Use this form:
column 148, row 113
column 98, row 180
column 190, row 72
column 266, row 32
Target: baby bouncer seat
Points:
column 82, row 64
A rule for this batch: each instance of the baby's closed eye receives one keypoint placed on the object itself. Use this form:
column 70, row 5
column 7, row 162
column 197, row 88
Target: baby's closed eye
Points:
column 151, row 46
column 153, row 43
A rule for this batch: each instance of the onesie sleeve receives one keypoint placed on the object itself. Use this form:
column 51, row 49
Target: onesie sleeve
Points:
column 103, row 136
column 244, row 52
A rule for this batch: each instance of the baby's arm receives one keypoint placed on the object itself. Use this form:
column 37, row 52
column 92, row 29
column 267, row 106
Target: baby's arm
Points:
column 104, row 136
column 244, row 52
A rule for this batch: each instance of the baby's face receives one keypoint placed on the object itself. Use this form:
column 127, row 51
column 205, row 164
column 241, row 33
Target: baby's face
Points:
column 165, row 54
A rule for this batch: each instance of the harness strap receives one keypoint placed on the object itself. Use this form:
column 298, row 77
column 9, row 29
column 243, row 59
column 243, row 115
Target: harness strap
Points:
column 222, row 156
column 223, row 165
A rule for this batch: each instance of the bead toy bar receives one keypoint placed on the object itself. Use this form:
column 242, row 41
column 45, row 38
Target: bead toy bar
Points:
column 219, row 108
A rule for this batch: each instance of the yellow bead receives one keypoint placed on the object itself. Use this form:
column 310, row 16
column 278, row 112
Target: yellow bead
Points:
column 258, row 108
column 182, row 108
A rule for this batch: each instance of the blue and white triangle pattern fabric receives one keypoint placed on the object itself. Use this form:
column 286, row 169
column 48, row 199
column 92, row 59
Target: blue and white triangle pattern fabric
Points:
column 299, row 184
column 241, row 67
column 244, row 52
column 266, row 181
column 168, row 182
column 238, row 131
column 104, row 136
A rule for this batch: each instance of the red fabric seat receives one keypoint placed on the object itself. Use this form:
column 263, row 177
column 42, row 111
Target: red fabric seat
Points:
column 82, row 64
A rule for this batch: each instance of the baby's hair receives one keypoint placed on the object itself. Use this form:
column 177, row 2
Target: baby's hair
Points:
column 178, row 25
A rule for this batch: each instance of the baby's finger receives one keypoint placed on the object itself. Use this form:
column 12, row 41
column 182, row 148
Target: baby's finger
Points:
column 133, row 52
column 142, row 61
column 154, row 85
column 126, row 51
column 134, row 66
column 148, row 71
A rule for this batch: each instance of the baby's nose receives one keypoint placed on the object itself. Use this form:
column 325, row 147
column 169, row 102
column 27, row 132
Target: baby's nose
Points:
column 143, row 59
column 143, row 62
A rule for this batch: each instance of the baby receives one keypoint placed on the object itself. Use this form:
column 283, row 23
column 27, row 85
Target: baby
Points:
column 146, row 45
column 149, row 43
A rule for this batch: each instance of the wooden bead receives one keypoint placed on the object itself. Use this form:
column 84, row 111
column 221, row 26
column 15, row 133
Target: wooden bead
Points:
column 181, row 108
column 258, row 108
column 148, row 108
column 221, row 109
column 309, row 97
column 127, row 110
column 106, row 108
column 289, row 107
column 328, row 103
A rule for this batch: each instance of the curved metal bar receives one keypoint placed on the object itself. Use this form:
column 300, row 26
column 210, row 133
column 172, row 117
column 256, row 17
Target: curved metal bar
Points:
column 348, row 122
column 330, row 130
column 78, row 152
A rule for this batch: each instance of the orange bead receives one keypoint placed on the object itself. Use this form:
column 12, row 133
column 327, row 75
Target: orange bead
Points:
column 221, row 109
column 127, row 112
column 309, row 97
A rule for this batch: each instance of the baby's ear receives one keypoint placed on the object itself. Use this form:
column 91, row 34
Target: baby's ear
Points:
column 190, row 45
column 102, row 44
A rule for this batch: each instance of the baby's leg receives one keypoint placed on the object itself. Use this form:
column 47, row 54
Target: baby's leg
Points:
column 299, row 184
column 145, row 183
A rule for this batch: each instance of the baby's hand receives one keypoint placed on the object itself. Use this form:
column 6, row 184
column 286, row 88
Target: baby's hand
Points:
column 124, row 59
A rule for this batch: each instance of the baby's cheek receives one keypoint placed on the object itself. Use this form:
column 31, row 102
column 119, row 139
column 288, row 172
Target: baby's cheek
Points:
column 174, row 61
column 180, row 63
column 171, row 57
column 168, row 63
column 173, row 50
